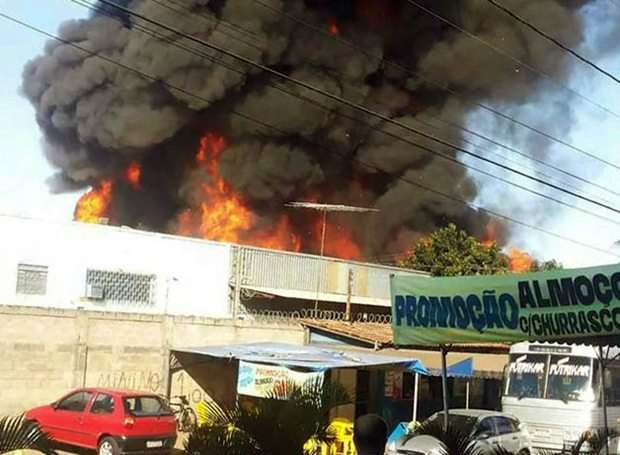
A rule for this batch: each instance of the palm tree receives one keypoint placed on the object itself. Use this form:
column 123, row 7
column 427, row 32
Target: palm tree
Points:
column 281, row 424
column 456, row 439
column 595, row 441
column 17, row 433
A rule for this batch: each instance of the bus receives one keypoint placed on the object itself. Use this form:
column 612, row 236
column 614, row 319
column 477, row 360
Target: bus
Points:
column 555, row 390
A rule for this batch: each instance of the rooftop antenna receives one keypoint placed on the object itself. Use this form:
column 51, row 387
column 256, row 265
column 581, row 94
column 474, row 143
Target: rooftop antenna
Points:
column 324, row 208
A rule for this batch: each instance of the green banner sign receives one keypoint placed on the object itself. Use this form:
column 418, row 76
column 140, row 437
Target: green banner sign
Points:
column 562, row 304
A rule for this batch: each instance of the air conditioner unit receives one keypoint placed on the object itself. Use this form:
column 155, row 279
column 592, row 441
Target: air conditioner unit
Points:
column 94, row 292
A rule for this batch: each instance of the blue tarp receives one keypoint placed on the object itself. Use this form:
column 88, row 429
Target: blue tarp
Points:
column 309, row 357
column 400, row 431
column 462, row 369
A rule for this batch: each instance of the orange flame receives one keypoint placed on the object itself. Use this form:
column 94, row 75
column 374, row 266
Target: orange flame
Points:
column 94, row 205
column 133, row 174
column 281, row 237
column 490, row 235
column 333, row 28
column 223, row 215
column 520, row 261
column 338, row 241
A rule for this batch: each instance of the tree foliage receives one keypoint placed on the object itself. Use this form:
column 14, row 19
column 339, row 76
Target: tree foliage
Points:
column 17, row 433
column 546, row 266
column 274, row 426
column 456, row 439
column 452, row 252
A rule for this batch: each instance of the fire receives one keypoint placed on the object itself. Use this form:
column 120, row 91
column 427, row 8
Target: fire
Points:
column 281, row 234
column 520, row 261
column 133, row 174
column 94, row 205
column 490, row 235
column 333, row 28
column 211, row 147
column 223, row 215
column 338, row 241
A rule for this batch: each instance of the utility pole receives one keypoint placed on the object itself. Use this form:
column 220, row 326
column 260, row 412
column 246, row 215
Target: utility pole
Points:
column 347, row 311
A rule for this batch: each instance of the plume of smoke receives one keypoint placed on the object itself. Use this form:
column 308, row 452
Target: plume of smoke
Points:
column 96, row 116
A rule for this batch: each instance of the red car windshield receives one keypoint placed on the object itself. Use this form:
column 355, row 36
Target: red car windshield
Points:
column 146, row 406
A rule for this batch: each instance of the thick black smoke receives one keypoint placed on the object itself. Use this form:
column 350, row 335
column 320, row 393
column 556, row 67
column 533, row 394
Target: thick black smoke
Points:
column 97, row 117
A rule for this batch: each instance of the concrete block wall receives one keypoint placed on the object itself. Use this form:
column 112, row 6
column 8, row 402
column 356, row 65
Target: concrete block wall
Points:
column 47, row 352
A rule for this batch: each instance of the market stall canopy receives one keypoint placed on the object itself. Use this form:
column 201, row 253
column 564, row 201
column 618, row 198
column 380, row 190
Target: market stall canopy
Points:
column 571, row 306
column 462, row 369
column 306, row 357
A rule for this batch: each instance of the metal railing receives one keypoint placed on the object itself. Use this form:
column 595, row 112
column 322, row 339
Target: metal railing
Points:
column 309, row 276
column 311, row 314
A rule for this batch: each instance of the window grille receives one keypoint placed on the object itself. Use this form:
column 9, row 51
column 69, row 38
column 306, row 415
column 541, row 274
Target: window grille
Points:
column 31, row 279
column 122, row 287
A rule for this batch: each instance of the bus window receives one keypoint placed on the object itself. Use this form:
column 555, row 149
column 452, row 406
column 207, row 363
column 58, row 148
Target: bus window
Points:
column 570, row 378
column 612, row 385
column 526, row 375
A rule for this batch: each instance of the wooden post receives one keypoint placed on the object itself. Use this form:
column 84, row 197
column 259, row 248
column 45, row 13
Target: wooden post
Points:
column 347, row 311
column 603, row 360
column 318, row 279
column 169, row 373
column 444, row 386
column 467, row 395
column 416, row 391
column 236, row 303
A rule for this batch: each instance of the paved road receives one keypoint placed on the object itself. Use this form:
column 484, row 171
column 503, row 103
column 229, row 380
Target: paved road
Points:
column 178, row 450
column 60, row 452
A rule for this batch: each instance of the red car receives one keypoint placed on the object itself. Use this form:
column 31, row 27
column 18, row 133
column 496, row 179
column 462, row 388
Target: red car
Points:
column 109, row 421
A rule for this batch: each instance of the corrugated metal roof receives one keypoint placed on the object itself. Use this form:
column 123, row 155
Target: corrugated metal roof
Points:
column 311, row 357
column 381, row 335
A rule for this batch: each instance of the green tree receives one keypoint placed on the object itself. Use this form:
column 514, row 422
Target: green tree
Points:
column 546, row 266
column 17, row 433
column 279, row 425
column 452, row 252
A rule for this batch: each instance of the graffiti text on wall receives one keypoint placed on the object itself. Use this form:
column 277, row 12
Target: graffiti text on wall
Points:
column 133, row 380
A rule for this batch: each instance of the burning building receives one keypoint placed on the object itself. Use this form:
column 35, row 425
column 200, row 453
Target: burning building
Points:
column 211, row 147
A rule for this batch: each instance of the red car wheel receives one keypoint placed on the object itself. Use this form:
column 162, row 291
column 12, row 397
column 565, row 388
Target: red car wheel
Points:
column 108, row 446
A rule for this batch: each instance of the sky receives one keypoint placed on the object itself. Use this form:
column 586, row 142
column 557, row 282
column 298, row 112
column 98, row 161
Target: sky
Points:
column 24, row 169
column 595, row 132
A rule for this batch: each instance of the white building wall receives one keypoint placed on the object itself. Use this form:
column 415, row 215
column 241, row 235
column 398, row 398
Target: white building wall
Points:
column 192, row 276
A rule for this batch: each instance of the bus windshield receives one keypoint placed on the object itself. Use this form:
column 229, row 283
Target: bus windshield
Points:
column 569, row 378
column 526, row 375
column 556, row 377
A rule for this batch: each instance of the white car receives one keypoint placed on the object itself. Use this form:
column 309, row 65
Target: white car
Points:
column 488, row 430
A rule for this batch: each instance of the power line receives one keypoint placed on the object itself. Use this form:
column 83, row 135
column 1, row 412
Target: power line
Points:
column 164, row 4
column 397, row 137
column 460, row 96
column 184, row 11
column 555, row 41
column 509, row 56
column 448, row 123
column 249, row 118
column 358, row 107
column 536, row 160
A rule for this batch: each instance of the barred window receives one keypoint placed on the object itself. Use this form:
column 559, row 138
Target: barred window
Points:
column 31, row 279
column 122, row 287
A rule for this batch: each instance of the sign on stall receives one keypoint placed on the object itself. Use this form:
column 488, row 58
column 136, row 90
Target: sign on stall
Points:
column 263, row 381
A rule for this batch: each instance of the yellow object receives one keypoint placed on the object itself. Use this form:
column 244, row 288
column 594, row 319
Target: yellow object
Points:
column 342, row 444
column 342, row 429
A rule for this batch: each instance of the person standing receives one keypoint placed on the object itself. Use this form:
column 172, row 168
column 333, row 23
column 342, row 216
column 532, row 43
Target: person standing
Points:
column 370, row 435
